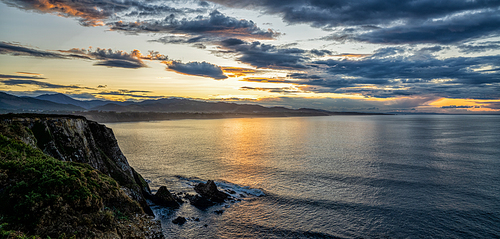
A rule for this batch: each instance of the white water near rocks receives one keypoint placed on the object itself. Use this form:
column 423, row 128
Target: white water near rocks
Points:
column 403, row 176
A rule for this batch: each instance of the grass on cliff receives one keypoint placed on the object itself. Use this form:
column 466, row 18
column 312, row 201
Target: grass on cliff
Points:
column 43, row 196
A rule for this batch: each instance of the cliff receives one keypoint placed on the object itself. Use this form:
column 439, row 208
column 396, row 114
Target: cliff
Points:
column 87, row 156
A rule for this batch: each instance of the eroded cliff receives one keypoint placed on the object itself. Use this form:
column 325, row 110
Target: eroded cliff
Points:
column 75, row 141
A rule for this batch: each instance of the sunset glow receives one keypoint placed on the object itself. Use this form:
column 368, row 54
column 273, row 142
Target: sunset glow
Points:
column 398, row 60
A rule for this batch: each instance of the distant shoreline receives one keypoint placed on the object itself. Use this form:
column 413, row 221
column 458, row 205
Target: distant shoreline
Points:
column 116, row 117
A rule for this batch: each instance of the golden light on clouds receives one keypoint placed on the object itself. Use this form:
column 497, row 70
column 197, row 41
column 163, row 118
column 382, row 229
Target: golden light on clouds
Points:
column 466, row 104
column 238, row 71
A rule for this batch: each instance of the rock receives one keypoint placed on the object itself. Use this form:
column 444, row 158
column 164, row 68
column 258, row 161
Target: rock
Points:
column 164, row 198
column 200, row 202
column 76, row 139
column 115, row 204
column 219, row 212
column 209, row 190
column 179, row 220
column 206, row 225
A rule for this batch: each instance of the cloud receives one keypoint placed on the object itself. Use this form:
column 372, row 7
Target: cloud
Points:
column 21, row 76
column 239, row 71
column 282, row 90
column 15, row 49
column 149, row 17
column 90, row 13
column 29, row 73
column 41, row 84
column 129, row 94
column 105, row 57
column 204, row 69
column 479, row 47
column 381, row 21
column 460, row 69
column 263, row 55
column 402, row 104
column 449, row 30
column 120, row 64
column 215, row 24
column 395, row 72
column 459, row 107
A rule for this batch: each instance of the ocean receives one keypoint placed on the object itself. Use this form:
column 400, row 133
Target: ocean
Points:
column 387, row 176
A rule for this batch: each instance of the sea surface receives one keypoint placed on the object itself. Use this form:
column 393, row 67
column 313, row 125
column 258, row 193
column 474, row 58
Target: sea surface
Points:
column 399, row 176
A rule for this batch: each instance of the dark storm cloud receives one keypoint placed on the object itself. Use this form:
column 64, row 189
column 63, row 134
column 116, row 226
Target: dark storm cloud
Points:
column 96, row 12
column 198, row 69
column 395, row 22
column 479, row 47
column 21, row 82
column 388, row 74
column 449, row 30
column 460, row 69
column 264, row 55
column 117, row 15
column 327, row 13
column 215, row 24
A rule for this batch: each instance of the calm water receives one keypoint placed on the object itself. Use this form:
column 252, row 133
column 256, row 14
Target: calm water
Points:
column 325, row 177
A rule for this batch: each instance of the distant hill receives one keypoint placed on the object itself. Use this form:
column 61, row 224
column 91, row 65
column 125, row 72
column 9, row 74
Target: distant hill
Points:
column 64, row 99
column 14, row 103
column 161, row 109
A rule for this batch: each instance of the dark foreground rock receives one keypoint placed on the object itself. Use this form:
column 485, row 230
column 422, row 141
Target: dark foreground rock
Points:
column 179, row 220
column 209, row 191
column 199, row 202
column 163, row 197
column 65, row 176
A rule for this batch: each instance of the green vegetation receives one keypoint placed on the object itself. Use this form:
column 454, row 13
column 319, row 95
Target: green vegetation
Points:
column 43, row 196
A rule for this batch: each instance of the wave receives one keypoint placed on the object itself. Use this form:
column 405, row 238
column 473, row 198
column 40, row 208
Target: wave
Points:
column 235, row 190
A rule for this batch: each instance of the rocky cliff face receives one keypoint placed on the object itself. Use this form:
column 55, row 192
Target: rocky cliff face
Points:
column 75, row 139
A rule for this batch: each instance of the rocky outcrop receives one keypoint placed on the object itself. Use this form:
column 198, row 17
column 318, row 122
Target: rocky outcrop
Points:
column 76, row 139
column 209, row 191
column 163, row 197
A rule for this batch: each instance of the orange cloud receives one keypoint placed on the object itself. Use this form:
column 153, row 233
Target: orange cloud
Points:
column 91, row 17
column 28, row 73
column 268, row 80
column 350, row 55
column 245, row 33
column 466, row 104
column 238, row 71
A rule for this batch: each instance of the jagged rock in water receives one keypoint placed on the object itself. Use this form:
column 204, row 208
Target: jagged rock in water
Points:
column 199, row 202
column 209, row 190
column 219, row 212
column 165, row 198
column 179, row 220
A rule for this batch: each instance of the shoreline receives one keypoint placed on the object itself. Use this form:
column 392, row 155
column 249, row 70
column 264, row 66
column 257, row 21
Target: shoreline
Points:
column 119, row 117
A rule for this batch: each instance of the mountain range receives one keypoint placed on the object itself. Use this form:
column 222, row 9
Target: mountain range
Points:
column 60, row 102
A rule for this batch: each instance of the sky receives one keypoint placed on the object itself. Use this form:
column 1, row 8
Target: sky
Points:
column 418, row 56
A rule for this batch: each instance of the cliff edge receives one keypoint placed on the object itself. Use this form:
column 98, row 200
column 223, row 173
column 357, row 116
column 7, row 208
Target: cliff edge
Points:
column 71, row 176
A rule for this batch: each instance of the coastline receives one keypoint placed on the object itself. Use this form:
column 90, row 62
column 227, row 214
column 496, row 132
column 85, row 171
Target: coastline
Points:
column 116, row 117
